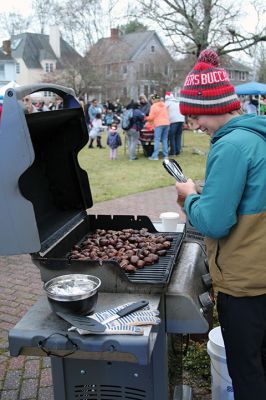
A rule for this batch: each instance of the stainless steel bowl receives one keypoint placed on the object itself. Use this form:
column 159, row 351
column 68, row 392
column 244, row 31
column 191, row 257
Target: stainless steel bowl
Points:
column 74, row 293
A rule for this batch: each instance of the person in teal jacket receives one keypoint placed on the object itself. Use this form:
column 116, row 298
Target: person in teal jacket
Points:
column 231, row 213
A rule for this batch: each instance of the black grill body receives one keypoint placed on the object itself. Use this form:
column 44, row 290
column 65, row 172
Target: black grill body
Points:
column 149, row 279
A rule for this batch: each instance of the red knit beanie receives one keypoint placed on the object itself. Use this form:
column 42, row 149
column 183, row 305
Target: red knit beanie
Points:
column 207, row 89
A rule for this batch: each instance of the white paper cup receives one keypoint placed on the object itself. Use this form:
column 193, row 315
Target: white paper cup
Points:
column 169, row 221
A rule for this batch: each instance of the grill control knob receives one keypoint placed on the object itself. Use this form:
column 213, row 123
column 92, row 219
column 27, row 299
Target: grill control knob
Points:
column 206, row 301
column 207, row 281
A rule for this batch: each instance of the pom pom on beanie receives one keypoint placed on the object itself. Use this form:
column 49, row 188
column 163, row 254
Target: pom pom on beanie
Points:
column 210, row 57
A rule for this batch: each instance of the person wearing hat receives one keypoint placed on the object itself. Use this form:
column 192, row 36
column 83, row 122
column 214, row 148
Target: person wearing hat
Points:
column 158, row 117
column 231, row 213
column 144, row 105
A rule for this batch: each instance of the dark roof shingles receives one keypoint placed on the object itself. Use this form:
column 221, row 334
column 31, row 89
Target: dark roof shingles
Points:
column 123, row 48
column 34, row 47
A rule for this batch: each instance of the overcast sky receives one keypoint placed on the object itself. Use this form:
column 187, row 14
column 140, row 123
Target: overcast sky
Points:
column 24, row 7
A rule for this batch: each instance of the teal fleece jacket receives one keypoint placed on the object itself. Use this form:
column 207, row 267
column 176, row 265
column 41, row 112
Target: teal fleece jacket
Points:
column 235, row 182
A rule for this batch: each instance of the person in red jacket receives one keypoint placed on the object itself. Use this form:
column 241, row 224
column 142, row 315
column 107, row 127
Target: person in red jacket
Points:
column 158, row 117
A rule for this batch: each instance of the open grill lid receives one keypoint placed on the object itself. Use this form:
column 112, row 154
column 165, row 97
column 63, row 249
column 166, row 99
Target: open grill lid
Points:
column 44, row 192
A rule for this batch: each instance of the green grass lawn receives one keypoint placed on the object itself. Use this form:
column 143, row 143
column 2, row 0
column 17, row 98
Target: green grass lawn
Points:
column 110, row 179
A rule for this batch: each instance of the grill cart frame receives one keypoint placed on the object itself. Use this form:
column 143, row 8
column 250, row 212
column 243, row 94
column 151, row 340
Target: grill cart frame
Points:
column 103, row 366
column 43, row 212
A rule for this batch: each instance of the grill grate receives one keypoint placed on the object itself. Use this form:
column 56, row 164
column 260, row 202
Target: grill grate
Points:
column 159, row 272
column 154, row 276
column 108, row 392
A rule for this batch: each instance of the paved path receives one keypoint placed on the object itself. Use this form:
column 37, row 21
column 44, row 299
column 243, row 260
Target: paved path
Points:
column 28, row 378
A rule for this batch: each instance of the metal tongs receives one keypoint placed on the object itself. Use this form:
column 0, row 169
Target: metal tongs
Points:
column 174, row 169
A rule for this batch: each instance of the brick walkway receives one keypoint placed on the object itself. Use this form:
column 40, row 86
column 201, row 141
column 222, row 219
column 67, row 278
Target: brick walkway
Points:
column 28, row 378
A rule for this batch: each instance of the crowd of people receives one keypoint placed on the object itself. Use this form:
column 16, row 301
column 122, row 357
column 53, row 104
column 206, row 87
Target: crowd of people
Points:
column 254, row 105
column 31, row 106
column 158, row 115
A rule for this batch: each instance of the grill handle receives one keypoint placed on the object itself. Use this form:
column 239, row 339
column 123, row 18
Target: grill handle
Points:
column 67, row 94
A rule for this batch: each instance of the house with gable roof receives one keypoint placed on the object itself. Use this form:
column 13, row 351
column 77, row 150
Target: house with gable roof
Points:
column 127, row 65
column 37, row 55
column 238, row 72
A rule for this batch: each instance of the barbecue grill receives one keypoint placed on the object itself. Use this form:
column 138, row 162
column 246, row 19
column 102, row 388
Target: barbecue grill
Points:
column 44, row 209
column 146, row 138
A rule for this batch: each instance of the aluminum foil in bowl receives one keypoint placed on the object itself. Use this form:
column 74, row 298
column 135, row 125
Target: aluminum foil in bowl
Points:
column 73, row 293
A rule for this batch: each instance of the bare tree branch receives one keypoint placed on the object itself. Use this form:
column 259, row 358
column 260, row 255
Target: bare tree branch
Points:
column 13, row 23
column 194, row 25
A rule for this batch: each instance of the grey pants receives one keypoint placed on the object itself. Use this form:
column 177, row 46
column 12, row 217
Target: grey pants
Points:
column 132, row 138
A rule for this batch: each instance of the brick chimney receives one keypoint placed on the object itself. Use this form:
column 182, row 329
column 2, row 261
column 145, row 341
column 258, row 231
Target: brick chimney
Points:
column 7, row 47
column 114, row 33
column 54, row 40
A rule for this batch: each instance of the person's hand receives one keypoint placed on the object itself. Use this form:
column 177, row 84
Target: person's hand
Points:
column 184, row 190
column 180, row 200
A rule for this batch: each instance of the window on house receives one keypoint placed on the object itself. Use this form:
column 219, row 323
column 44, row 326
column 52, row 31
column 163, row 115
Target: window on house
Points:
column 152, row 68
column 141, row 71
column 166, row 70
column 231, row 75
column 47, row 94
column 49, row 67
column 152, row 49
column 125, row 91
column 242, row 76
column 108, row 69
column 124, row 69
column 146, row 69
column 17, row 68
column 15, row 43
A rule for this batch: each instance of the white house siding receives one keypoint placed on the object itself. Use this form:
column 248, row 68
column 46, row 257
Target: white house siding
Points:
column 28, row 76
column 22, row 77
column 10, row 71
column 7, row 72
